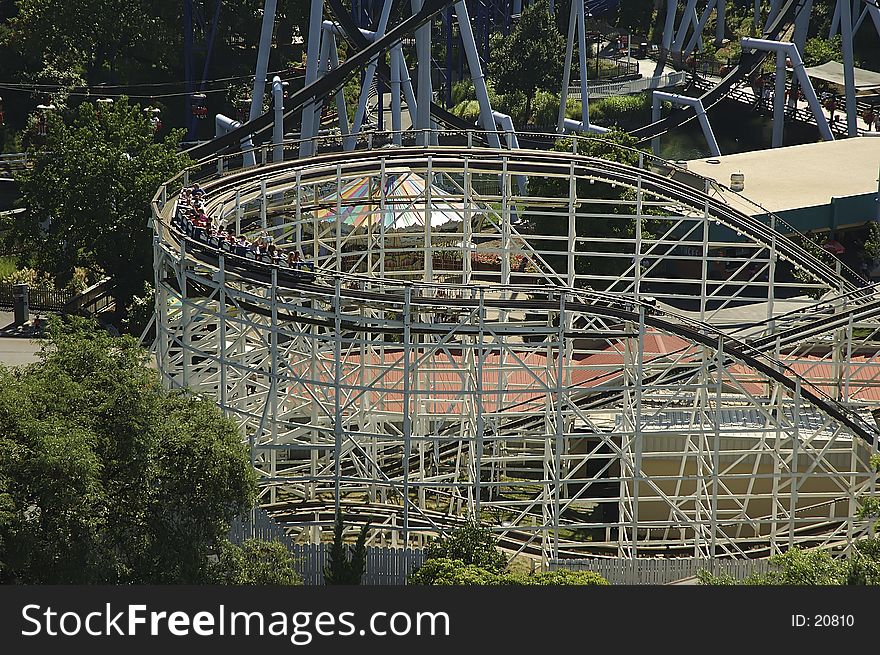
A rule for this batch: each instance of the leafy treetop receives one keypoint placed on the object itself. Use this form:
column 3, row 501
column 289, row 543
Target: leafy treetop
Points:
column 105, row 477
column 88, row 195
column 470, row 544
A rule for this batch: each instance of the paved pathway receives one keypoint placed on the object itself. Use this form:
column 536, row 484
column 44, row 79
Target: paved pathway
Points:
column 16, row 351
column 16, row 346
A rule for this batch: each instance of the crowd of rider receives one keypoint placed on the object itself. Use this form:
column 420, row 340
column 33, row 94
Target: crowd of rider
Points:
column 193, row 219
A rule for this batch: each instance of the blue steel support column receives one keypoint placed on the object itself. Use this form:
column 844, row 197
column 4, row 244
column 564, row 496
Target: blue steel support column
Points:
column 668, row 31
column 582, row 60
column 369, row 77
column 720, row 21
column 566, row 71
column 774, row 9
column 187, row 69
column 447, row 26
column 698, row 31
column 779, row 100
column 341, row 108
column 214, row 29
column 395, row 96
column 874, row 12
column 312, row 54
column 848, row 65
column 861, row 20
column 801, row 28
column 798, row 65
column 259, row 89
column 686, row 20
column 406, row 83
column 423, row 98
column 697, row 104
column 655, row 116
column 835, row 21
column 470, row 49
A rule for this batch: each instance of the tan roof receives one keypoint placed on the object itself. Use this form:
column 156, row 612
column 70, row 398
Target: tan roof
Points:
column 797, row 176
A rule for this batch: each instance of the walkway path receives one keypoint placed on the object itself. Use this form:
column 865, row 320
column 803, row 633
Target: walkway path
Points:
column 744, row 94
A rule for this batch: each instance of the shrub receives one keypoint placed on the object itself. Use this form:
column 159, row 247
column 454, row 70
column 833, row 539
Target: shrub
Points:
column 551, row 578
column 444, row 571
column 545, row 108
column 514, row 104
column 468, row 110
column 255, row 562
column 470, row 544
column 616, row 108
column 463, row 91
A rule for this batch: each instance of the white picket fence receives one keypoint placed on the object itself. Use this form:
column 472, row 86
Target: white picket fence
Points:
column 392, row 566
column 658, row 571
column 385, row 566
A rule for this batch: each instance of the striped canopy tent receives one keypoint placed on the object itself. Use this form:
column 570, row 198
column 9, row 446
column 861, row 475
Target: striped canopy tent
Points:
column 358, row 202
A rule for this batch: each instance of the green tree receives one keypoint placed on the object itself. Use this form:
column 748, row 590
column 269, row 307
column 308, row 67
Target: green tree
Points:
column 255, row 562
column 94, row 36
column 819, row 51
column 343, row 569
column 530, row 58
column 88, row 192
column 869, row 506
column 105, row 477
column 799, row 567
column 471, row 544
column 635, row 15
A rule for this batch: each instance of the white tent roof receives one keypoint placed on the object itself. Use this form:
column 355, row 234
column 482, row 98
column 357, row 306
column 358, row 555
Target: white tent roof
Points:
column 832, row 71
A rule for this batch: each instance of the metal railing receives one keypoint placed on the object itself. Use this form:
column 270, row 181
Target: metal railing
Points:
column 94, row 300
column 630, row 87
column 657, row 571
column 792, row 113
column 51, row 300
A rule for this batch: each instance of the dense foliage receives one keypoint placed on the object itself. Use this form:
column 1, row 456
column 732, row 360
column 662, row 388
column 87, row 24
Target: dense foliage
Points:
column 445, row 571
column 804, row 567
column 471, row 544
column 256, row 562
column 88, row 195
column 105, row 477
column 529, row 59
column 469, row 556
